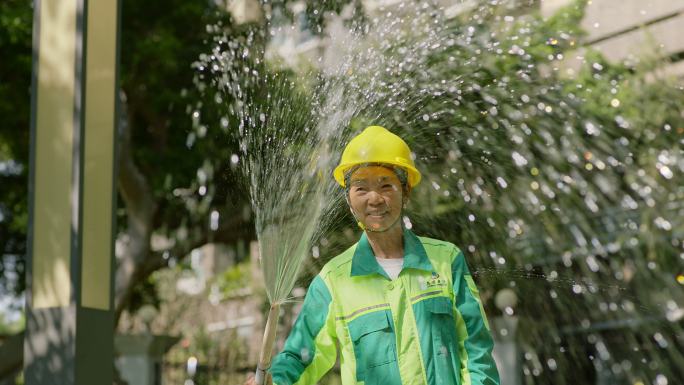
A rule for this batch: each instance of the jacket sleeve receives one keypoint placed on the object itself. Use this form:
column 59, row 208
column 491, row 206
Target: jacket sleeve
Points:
column 310, row 349
column 475, row 340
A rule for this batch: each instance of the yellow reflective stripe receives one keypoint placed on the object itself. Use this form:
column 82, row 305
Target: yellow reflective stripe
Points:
column 429, row 294
column 476, row 294
column 362, row 311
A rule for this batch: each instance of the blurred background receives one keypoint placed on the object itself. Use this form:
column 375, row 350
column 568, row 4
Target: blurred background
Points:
column 550, row 134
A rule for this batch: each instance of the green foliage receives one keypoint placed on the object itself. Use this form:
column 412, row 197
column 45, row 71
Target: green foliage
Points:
column 234, row 279
column 157, row 50
column 15, row 84
column 189, row 177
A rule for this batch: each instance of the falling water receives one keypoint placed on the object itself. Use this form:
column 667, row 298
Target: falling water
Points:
column 571, row 218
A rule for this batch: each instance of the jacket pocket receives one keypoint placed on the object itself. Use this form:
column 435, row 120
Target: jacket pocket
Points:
column 444, row 340
column 443, row 325
column 374, row 342
column 441, row 305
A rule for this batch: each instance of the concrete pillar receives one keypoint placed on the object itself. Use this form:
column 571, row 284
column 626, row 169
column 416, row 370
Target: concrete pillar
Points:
column 69, row 302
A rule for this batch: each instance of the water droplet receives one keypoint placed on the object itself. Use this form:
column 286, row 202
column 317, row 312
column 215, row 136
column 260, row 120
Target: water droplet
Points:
column 663, row 223
column 591, row 129
column 593, row 265
column 662, row 342
column 666, row 172
column 661, row 380
column 190, row 140
column 502, row 182
column 551, row 363
column 201, row 131
column 519, row 159
column 214, row 220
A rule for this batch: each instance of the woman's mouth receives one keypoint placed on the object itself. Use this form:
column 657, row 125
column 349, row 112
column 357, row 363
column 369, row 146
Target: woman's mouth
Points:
column 377, row 215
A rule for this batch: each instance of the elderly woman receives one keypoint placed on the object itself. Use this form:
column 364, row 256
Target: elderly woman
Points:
column 399, row 308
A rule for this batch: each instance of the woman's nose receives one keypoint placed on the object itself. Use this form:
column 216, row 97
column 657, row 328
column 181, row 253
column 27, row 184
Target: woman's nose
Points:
column 375, row 198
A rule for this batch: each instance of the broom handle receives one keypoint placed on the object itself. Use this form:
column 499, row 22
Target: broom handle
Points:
column 267, row 344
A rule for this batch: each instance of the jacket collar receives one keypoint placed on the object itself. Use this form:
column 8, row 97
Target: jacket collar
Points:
column 364, row 262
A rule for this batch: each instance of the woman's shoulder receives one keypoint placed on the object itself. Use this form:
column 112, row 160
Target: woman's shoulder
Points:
column 437, row 243
column 339, row 263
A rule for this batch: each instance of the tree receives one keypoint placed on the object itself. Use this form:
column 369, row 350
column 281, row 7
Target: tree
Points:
column 169, row 181
column 176, row 171
column 15, row 84
column 163, row 174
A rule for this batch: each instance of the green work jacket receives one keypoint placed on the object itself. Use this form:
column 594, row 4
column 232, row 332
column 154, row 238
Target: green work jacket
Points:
column 427, row 326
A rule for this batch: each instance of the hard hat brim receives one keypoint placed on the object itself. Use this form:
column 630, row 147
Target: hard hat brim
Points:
column 414, row 175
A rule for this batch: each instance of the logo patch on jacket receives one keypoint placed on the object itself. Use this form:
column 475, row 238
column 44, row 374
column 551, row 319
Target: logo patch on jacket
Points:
column 436, row 280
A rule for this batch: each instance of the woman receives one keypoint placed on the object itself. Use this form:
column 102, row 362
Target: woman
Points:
column 401, row 309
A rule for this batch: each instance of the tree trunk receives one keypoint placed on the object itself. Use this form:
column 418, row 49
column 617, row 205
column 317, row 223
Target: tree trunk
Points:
column 140, row 208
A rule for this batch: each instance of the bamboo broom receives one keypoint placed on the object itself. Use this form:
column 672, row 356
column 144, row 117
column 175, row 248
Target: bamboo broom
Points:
column 267, row 344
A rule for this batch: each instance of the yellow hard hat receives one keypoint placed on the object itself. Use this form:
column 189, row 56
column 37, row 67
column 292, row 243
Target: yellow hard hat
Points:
column 376, row 144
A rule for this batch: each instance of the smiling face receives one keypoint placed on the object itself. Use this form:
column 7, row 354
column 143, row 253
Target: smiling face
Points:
column 376, row 197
